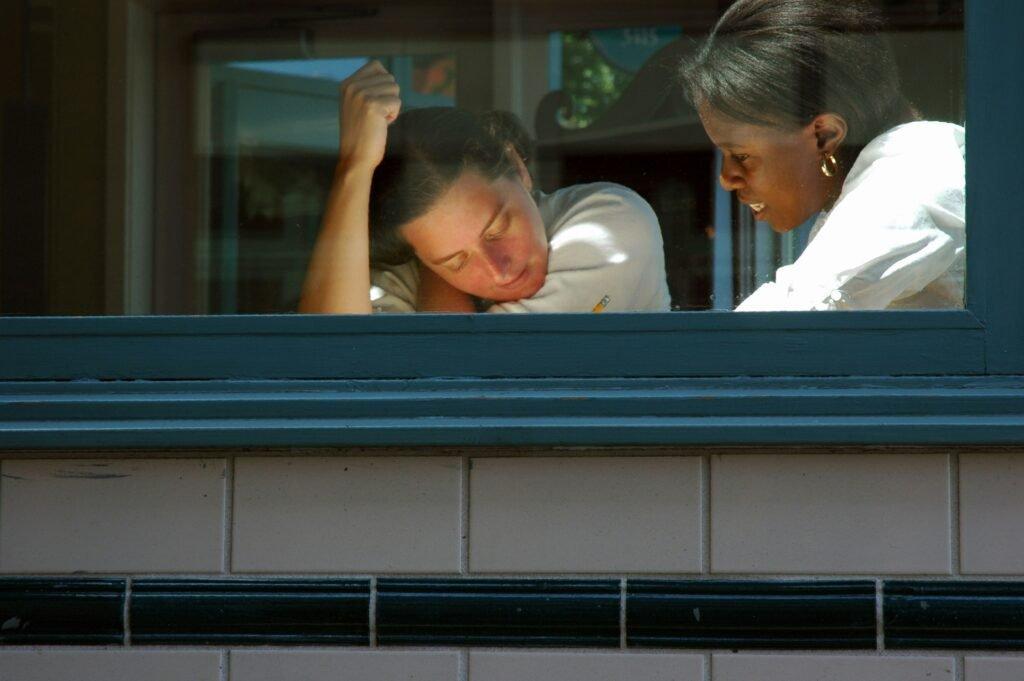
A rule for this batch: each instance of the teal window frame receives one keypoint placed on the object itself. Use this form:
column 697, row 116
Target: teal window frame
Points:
column 707, row 377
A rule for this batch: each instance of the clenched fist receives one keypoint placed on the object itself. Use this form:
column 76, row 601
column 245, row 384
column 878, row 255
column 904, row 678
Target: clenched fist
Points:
column 369, row 102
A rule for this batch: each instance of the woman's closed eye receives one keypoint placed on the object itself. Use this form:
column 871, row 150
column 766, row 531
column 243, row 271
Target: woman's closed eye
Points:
column 498, row 230
column 457, row 263
column 740, row 158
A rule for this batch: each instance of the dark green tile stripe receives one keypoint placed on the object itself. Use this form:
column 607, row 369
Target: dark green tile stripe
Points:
column 38, row 611
column 974, row 615
column 251, row 612
column 751, row 614
column 498, row 612
column 765, row 614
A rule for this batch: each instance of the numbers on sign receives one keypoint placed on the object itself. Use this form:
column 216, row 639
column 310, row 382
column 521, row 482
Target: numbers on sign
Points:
column 643, row 37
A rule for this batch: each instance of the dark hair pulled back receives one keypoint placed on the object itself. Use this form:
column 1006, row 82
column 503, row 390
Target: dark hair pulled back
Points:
column 781, row 63
column 427, row 151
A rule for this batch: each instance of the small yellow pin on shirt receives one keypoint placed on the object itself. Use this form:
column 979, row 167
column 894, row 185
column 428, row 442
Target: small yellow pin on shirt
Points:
column 602, row 304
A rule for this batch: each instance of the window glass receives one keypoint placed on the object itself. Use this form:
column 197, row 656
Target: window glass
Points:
column 273, row 147
column 178, row 157
column 597, row 66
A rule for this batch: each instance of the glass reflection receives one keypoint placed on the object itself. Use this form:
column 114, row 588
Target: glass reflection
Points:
column 177, row 157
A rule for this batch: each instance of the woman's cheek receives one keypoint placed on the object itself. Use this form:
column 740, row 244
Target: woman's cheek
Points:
column 517, row 247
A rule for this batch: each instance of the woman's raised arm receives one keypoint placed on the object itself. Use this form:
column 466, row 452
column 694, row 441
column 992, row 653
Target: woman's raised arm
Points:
column 338, row 278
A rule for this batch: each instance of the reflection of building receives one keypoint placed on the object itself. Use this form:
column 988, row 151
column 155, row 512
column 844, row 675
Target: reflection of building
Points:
column 434, row 75
column 181, row 509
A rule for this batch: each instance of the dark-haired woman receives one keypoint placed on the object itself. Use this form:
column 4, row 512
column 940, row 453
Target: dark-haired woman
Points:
column 437, row 213
column 804, row 101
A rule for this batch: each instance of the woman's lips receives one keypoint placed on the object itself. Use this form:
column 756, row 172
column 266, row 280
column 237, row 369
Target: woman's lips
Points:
column 520, row 278
column 756, row 206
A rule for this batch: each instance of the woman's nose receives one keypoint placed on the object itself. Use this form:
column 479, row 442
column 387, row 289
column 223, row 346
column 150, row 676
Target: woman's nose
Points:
column 730, row 178
column 499, row 263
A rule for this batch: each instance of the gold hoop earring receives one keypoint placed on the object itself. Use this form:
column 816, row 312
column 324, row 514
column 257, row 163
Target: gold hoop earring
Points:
column 829, row 165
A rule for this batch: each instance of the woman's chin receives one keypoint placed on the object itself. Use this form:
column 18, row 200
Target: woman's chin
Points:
column 782, row 226
column 533, row 286
column 787, row 223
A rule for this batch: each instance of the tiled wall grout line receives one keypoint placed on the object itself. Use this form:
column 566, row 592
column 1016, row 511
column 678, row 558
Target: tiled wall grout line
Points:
column 225, row 665
column 126, row 615
column 464, row 665
column 954, row 512
column 958, row 668
column 372, row 612
column 229, row 514
column 707, row 666
column 879, row 615
column 622, row 613
column 467, row 463
column 705, row 514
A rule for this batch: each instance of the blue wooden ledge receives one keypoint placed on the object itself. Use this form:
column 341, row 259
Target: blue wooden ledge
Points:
column 513, row 412
column 571, row 346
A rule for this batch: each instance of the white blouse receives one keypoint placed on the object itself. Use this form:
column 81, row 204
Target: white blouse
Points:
column 894, row 238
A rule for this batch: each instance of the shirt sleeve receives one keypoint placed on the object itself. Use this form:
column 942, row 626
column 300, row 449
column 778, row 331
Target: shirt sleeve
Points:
column 395, row 289
column 887, row 239
column 607, row 245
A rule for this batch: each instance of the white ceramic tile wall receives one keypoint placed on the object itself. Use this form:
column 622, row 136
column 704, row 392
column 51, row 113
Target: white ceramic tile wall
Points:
column 340, row 514
column 584, row 666
column 770, row 513
column 69, row 664
column 830, row 513
column 994, row 669
column 112, row 515
column 600, row 514
column 992, row 513
column 344, row 665
column 830, row 668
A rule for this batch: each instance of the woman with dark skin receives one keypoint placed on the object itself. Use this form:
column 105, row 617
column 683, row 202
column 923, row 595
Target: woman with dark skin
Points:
column 803, row 99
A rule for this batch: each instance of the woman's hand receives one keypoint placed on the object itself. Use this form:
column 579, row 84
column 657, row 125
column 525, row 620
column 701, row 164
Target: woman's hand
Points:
column 369, row 102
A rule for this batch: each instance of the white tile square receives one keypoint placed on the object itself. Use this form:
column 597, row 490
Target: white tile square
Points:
column 112, row 515
column 830, row 668
column 343, row 665
column 854, row 513
column 340, row 514
column 992, row 513
column 62, row 664
column 994, row 669
column 585, row 514
column 585, row 666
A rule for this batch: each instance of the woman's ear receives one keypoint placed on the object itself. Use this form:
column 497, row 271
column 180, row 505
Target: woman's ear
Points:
column 521, row 169
column 830, row 131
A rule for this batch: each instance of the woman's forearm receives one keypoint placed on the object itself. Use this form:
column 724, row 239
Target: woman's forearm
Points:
column 338, row 279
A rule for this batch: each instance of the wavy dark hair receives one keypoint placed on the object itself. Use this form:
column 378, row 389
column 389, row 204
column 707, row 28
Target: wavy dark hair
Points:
column 427, row 151
column 782, row 63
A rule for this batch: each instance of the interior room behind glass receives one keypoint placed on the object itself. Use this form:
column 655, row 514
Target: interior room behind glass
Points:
column 174, row 156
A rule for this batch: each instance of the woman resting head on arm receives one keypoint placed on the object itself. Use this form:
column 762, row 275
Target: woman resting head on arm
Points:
column 438, row 213
column 803, row 99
